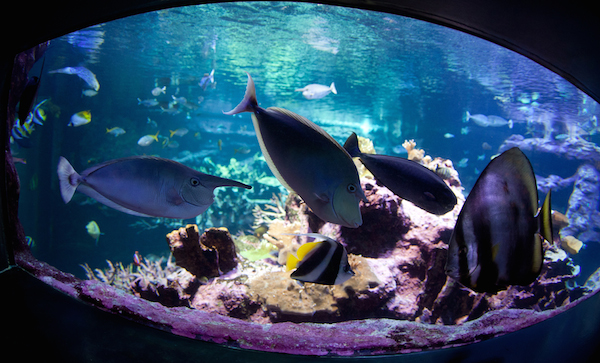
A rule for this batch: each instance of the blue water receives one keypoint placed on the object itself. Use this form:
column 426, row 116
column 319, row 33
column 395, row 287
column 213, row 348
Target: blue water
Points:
column 397, row 79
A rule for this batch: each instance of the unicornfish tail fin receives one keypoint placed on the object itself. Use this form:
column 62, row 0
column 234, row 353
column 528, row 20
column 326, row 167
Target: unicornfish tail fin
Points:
column 68, row 179
column 249, row 101
column 351, row 146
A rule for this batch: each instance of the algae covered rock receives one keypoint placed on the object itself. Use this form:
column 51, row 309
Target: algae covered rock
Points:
column 208, row 255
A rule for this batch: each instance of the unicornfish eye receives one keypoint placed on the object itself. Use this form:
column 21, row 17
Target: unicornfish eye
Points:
column 194, row 182
column 351, row 188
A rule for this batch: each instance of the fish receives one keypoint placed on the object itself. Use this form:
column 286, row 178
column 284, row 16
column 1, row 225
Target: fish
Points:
column 324, row 261
column 115, row 131
column 137, row 258
column 481, row 157
column 486, row 146
column 93, row 230
column 220, row 144
column 85, row 74
column 89, row 92
column 407, row 179
column 207, row 80
column 147, row 139
column 491, row 120
column 80, row 118
column 316, row 91
column 306, row 160
column 157, row 91
column 144, row 186
column 465, row 130
column 496, row 241
column 148, row 103
column 448, row 135
column 462, row 163
column 179, row 132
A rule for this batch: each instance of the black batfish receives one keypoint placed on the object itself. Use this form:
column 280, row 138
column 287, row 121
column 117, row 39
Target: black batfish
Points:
column 407, row 179
column 496, row 241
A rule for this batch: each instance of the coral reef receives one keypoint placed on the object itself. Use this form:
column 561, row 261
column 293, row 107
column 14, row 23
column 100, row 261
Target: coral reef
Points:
column 208, row 255
column 570, row 148
column 583, row 212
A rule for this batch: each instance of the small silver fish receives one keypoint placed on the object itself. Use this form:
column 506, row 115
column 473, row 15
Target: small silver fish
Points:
column 157, row 91
column 148, row 103
column 448, row 135
column 491, row 120
column 316, row 91
column 83, row 73
column 144, row 186
column 147, row 139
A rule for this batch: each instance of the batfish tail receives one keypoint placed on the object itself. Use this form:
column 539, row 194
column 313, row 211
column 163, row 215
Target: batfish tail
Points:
column 545, row 218
column 249, row 102
column 68, row 179
column 351, row 146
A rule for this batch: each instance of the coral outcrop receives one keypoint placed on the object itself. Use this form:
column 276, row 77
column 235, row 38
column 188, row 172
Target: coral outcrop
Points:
column 208, row 255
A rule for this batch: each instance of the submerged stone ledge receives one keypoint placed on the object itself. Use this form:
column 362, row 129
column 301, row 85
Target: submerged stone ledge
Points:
column 367, row 337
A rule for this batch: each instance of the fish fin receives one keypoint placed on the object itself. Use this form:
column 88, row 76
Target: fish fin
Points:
column 66, row 174
column 351, row 146
column 173, row 197
column 510, row 124
column 332, row 88
column 292, row 262
column 468, row 115
column 545, row 218
column 249, row 101
column 306, row 248
column 155, row 137
column 172, row 132
column 322, row 197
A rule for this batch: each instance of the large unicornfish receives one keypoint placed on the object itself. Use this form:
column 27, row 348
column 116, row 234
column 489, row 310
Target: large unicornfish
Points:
column 306, row 160
column 144, row 186
column 407, row 179
column 496, row 241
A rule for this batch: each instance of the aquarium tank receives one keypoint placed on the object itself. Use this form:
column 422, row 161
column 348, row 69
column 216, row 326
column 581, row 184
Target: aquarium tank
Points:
column 305, row 179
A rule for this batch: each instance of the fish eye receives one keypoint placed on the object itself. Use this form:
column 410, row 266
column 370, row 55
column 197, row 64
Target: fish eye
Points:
column 194, row 182
column 351, row 188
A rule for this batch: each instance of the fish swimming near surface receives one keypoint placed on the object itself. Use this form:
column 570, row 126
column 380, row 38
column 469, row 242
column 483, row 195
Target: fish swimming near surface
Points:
column 324, row 261
column 148, row 139
column 144, row 186
column 85, row 74
column 93, row 230
column 157, row 91
column 306, row 160
column 80, row 118
column 407, row 179
column 496, row 241
column 316, row 91
column 208, row 79
column 491, row 120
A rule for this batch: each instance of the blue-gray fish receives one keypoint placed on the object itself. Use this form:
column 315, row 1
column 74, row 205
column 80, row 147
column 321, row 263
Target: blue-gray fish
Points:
column 324, row 261
column 306, row 160
column 144, row 186
column 316, row 91
column 407, row 179
column 83, row 73
column 496, row 241
column 491, row 120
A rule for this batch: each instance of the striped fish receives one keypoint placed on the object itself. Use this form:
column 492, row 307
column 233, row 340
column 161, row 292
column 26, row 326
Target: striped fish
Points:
column 324, row 261
column 496, row 241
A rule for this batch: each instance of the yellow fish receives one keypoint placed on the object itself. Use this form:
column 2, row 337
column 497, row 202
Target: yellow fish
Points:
column 93, row 230
column 80, row 118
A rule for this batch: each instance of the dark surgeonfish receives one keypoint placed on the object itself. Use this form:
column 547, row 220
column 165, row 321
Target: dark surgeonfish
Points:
column 144, row 186
column 496, row 241
column 324, row 261
column 407, row 179
column 306, row 160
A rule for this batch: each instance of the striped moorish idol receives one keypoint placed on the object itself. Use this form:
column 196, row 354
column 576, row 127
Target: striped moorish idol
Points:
column 496, row 241
column 324, row 261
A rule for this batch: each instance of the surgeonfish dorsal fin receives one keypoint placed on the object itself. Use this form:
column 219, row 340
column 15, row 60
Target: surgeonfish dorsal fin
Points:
column 351, row 146
column 545, row 218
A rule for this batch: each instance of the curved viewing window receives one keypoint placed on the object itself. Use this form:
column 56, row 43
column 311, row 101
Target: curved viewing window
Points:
column 158, row 84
